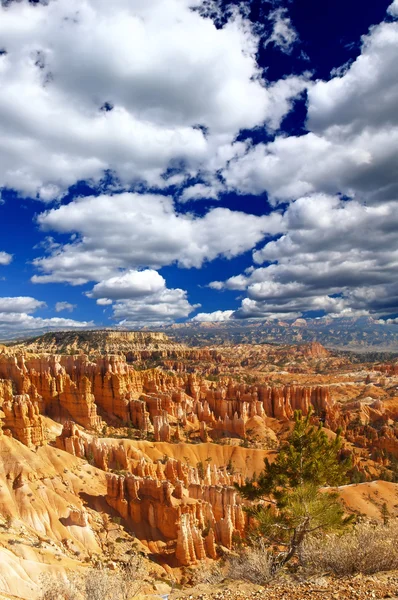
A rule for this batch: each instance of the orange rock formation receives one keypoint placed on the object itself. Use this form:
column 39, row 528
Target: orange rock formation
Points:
column 180, row 507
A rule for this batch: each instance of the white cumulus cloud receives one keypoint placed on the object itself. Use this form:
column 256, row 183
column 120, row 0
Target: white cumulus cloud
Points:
column 199, row 191
column 336, row 255
column 163, row 307
column 128, row 231
column 15, row 316
column 213, row 317
column 142, row 297
column 89, row 86
column 20, row 304
column 61, row 306
column 22, row 322
column 132, row 284
column 393, row 9
column 5, row 258
column 353, row 134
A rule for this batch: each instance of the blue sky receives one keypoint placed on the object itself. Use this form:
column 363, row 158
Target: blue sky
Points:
column 197, row 159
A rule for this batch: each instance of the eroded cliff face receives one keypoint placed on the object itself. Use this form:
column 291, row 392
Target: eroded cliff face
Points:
column 188, row 517
column 20, row 416
column 182, row 511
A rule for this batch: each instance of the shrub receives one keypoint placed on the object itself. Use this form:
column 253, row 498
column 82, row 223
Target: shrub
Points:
column 366, row 549
column 254, row 564
column 59, row 588
column 97, row 584
column 201, row 470
column 209, row 573
column 131, row 580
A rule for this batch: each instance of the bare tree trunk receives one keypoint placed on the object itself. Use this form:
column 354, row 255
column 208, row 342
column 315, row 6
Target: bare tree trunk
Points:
column 295, row 543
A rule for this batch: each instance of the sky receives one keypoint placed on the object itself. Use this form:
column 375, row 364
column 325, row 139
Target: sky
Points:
column 197, row 160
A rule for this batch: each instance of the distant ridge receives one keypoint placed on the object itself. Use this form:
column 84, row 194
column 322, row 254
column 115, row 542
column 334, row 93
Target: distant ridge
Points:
column 103, row 341
column 362, row 334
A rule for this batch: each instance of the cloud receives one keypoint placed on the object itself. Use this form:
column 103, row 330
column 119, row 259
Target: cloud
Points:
column 199, row 191
column 21, row 322
column 104, row 301
column 254, row 310
column 15, row 317
column 130, row 231
column 60, row 306
column 90, row 86
column 142, row 297
column 132, row 284
column 393, row 9
column 163, row 307
column 283, row 35
column 336, row 256
column 5, row 258
column 214, row 317
column 127, row 96
column 237, row 282
column 353, row 135
column 20, row 304
column 365, row 96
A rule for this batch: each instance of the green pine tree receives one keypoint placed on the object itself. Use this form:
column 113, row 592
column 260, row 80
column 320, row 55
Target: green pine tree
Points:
column 292, row 504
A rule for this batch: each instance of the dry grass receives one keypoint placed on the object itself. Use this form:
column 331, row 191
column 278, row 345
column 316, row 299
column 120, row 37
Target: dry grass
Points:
column 60, row 588
column 254, row 564
column 365, row 549
column 97, row 584
column 209, row 573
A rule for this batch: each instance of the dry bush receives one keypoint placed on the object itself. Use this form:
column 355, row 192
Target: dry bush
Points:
column 58, row 588
column 97, row 584
column 254, row 564
column 210, row 573
column 131, row 580
column 365, row 549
